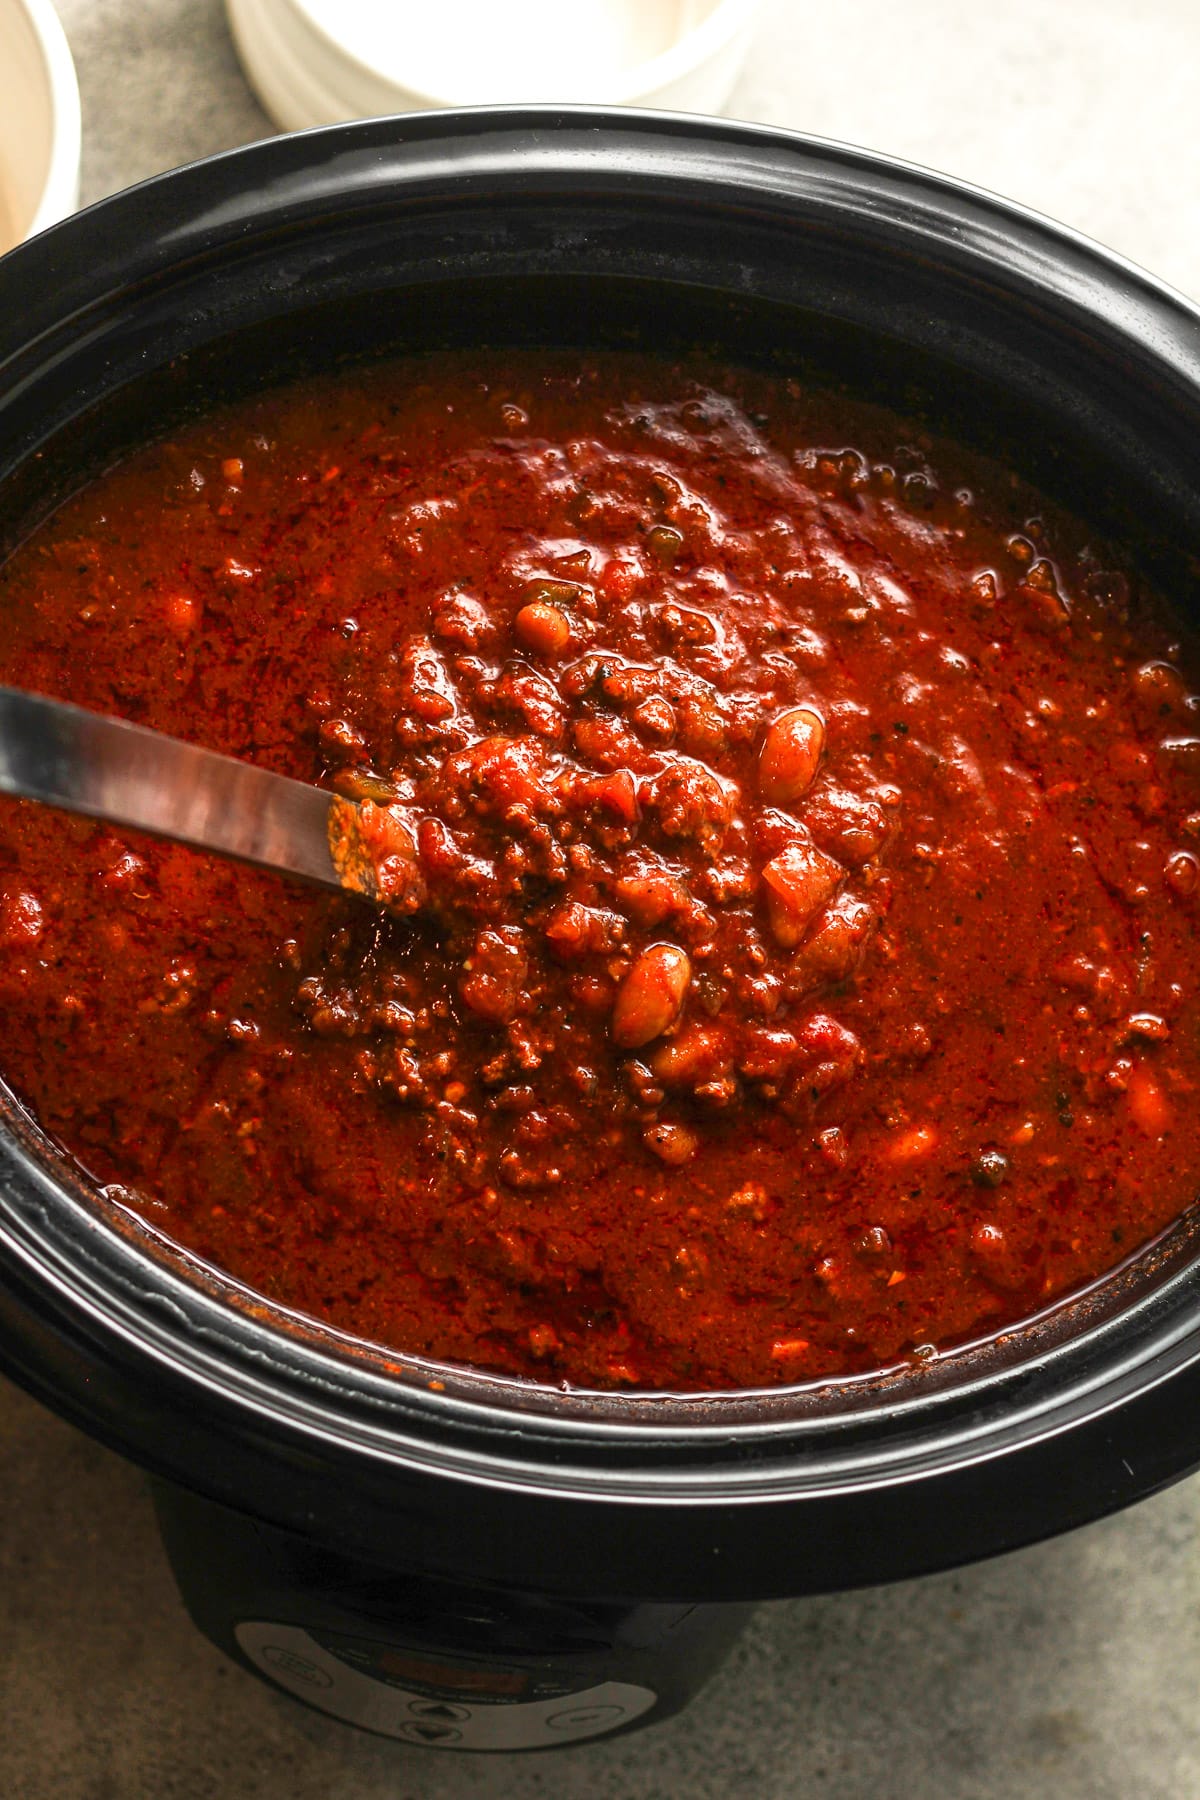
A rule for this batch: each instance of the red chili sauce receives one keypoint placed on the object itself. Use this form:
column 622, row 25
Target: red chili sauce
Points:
column 792, row 965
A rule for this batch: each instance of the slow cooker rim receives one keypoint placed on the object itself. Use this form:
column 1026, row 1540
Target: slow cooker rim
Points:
column 587, row 132
column 618, row 123
column 608, row 1453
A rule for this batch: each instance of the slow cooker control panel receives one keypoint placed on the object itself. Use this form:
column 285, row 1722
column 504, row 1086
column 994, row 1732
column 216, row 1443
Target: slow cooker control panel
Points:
column 401, row 1694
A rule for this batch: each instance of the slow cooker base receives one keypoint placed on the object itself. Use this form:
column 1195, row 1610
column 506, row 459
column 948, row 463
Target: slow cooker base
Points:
column 439, row 1664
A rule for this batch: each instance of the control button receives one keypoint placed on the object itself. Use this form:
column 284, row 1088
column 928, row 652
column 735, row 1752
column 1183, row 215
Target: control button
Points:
column 579, row 1718
column 438, row 1709
column 428, row 1731
column 297, row 1668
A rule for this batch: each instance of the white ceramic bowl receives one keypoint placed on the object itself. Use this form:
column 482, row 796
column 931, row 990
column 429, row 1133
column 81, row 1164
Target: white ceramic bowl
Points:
column 39, row 121
column 318, row 62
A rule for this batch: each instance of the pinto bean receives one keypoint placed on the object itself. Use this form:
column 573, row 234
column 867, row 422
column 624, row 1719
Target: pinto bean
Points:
column 651, row 997
column 542, row 628
column 790, row 755
column 671, row 1143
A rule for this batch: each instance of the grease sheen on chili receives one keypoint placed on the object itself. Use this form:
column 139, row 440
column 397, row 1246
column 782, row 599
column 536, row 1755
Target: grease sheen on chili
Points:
column 791, row 838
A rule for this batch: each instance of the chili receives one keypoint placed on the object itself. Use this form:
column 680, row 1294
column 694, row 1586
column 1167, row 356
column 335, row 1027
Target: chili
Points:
column 791, row 855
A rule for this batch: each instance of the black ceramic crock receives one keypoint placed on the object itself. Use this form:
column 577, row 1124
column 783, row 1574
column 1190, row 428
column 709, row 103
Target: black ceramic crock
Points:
column 572, row 226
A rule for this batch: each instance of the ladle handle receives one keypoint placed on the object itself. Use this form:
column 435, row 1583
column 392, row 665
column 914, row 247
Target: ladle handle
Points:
column 110, row 769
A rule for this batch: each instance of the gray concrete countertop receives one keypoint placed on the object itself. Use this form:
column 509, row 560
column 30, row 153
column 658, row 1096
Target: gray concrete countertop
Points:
column 1070, row 1670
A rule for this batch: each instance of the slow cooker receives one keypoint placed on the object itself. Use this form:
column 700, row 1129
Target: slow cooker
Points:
column 440, row 1555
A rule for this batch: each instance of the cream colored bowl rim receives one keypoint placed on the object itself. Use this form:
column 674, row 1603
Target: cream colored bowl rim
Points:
column 694, row 47
column 60, row 189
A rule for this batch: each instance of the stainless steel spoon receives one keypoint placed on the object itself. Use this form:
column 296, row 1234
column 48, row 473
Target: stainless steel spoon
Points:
column 109, row 769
